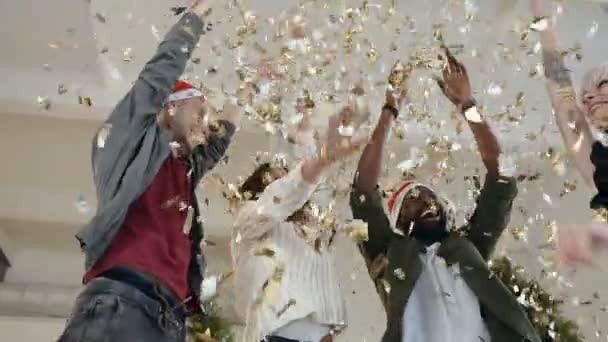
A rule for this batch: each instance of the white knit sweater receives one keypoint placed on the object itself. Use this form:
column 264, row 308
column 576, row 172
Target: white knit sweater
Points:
column 262, row 245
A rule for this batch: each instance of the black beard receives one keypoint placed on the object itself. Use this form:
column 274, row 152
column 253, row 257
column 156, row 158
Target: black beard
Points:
column 429, row 233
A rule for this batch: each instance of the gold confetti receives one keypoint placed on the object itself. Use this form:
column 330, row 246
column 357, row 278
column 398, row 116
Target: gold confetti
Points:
column 539, row 24
column 289, row 304
column 265, row 251
column 520, row 233
column 44, row 102
column 386, row 285
column 85, row 100
column 399, row 274
column 551, row 232
column 357, row 230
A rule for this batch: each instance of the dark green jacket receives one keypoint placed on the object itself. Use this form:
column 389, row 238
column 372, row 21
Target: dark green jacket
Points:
column 389, row 256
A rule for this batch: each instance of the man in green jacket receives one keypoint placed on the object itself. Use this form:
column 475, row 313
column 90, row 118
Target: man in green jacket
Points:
column 434, row 281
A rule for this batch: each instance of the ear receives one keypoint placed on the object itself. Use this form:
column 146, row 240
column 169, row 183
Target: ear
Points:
column 164, row 116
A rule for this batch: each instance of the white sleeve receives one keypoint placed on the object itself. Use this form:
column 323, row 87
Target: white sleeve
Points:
column 281, row 198
column 306, row 146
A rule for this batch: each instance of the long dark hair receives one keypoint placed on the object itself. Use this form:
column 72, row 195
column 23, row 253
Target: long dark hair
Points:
column 259, row 180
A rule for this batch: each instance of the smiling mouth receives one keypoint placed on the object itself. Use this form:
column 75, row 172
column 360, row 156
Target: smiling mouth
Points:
column 429, row 213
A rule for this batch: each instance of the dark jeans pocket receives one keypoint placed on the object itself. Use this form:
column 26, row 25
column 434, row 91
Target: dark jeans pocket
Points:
column 110, row 318
column 94, row 319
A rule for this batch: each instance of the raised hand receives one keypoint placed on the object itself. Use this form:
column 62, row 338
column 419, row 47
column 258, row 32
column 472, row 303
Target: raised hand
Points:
column 455, row 84
column 396, row 93
column 395, row 99
column 337, row 146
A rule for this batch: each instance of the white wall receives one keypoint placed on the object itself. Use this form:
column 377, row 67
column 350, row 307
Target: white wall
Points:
column 25, row 329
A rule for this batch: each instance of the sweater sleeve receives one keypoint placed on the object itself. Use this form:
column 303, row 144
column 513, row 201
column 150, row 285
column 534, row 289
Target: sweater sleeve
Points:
column 281, row 198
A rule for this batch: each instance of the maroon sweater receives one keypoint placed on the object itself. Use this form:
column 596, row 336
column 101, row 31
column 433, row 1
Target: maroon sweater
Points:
column 152, row 239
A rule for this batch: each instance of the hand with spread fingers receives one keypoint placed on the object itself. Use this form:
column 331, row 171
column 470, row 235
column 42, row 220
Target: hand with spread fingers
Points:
column 337, row 146
column 455, row 83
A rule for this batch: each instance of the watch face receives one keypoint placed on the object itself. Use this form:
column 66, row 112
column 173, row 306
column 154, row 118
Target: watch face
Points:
column 472, row 114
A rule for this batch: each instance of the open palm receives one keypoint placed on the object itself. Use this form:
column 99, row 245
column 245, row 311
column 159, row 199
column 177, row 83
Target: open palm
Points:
column 337, row 146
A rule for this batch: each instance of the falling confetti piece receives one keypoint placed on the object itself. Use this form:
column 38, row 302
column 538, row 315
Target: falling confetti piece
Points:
column 103, row 134
column 289, row 304
column 539, row 24
column 85, row 100
column 357, row 230
column 265, row 251
column 386, row 285
column 155, row 33
column 44, row 102
column 100, row 17
column 81, row 205
column 178, row 10
column 126, row 55
column 494, row 89
column 61, row 89
column 593, row 30
column 520, row 233
column 399, row 274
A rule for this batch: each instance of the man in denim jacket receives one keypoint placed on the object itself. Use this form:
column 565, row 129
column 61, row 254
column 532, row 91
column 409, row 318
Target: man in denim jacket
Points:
column 142, row 249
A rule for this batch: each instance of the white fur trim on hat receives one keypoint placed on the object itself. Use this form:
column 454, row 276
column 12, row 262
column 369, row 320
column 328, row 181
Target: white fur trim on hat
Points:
column 396, row 201
column 184, row 95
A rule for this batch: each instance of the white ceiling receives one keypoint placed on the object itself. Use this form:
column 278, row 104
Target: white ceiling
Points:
column 48, row 43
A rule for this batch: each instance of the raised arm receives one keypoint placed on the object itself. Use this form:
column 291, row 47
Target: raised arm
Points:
column 288, row 194
column 370, row 163
column 366, row 201
column 495, row 202
column 570, row 119
column 158, row 76
column 457, row 88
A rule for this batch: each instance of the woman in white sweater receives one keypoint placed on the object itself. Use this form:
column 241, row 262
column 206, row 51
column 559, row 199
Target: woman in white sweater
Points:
column 286, row 286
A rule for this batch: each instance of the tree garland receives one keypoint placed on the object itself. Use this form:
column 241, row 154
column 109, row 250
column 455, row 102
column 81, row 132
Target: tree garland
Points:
column 542, row 308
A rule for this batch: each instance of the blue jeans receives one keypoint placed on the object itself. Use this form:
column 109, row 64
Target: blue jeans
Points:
column 112, row 311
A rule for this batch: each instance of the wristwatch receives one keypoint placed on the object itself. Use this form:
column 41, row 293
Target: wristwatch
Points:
column 391, row 109
column 469, row 109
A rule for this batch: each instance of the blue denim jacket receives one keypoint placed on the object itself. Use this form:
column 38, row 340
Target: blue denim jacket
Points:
column 130, row 148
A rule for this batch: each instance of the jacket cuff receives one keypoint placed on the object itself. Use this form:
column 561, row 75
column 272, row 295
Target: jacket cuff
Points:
column 192, row 24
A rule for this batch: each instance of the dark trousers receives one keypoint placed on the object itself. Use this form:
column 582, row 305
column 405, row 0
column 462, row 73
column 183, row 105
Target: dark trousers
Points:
column 113, row 311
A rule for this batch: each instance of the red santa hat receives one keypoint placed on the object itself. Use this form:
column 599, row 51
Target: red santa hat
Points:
column 182, row 91
column 396, row 200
